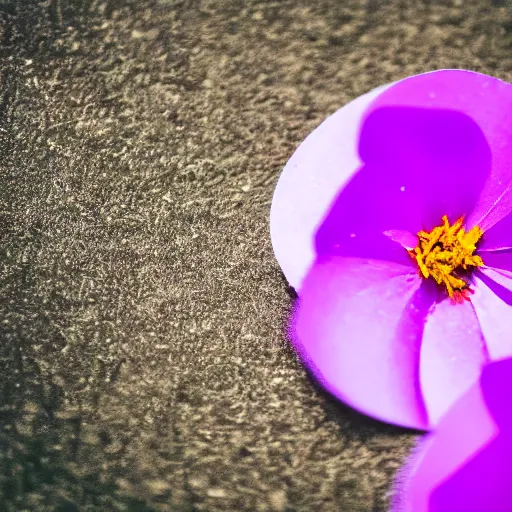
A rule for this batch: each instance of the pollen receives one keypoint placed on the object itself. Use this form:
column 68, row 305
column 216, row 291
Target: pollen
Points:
column 447, row 255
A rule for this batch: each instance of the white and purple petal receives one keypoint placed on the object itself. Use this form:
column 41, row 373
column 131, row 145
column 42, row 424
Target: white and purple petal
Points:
column 309, row 183
column 358, row 328
column 462, row 465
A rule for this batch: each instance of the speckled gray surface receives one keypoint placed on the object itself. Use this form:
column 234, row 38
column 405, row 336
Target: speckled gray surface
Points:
column 143, row 361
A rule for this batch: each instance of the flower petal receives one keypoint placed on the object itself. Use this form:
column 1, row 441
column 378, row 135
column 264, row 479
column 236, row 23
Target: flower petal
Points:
column 310, row 182
column 405, row 238
column 483, row 483
column 496, row 386
column 452, row 356
column 413, row 161
column 498, row 237
column 421, row 130
column 498, row 259
column 498, row 275
column 493, row 307
column 358, row 328
column 465, row 428
column 423, row 157
column 487, row 101
column 461, row 469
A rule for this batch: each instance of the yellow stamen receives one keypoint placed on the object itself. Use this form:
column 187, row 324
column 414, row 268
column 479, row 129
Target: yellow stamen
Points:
column 446, row 253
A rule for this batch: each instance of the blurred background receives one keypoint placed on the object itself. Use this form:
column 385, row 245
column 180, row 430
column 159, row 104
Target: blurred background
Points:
column 143, row 359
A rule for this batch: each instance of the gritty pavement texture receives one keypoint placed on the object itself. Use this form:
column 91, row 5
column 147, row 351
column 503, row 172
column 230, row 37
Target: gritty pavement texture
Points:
column 143, row 361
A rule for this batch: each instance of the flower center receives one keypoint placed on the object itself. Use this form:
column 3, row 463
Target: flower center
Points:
column 446, row 255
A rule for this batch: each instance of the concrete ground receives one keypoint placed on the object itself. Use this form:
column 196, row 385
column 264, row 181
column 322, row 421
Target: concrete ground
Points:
column 143, row 362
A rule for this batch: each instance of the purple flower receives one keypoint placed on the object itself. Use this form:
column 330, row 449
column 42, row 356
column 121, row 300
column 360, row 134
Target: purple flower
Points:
column 464, row 465
column 393, row 222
